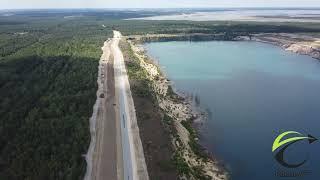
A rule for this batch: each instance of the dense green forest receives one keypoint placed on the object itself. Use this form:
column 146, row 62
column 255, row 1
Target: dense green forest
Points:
column 48, row 70
column 48, row 76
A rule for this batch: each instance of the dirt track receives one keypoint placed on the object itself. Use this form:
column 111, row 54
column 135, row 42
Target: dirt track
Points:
column 104, row 162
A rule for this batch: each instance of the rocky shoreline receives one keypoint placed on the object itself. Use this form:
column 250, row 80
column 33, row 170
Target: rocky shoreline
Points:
column 298, row 43
column 180, row 110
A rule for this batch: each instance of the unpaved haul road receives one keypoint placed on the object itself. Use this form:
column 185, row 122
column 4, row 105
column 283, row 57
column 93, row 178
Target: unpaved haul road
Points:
column 115, row 150
column 104, row 161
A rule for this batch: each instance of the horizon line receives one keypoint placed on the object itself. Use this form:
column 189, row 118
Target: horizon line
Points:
column 133, row 8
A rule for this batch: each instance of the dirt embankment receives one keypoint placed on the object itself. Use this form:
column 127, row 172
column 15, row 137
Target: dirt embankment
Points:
column 187, row 156
column 298, row 43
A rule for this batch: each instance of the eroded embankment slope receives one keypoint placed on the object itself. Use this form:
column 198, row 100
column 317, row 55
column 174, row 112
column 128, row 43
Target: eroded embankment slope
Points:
column 305, row 44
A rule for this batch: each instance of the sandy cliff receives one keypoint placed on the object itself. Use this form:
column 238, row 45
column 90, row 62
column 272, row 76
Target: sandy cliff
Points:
column 297, row 43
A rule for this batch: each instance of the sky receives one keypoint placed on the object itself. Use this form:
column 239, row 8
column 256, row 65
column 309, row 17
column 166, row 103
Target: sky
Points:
column 35, row 4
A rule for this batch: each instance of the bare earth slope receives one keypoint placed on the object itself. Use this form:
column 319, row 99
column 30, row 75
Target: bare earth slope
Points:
column 305, row 44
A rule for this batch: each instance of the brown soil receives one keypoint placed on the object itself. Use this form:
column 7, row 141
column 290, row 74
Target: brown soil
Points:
column 155, row 140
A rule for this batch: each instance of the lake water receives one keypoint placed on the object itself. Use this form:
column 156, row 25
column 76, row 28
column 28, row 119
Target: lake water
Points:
column 252, row 92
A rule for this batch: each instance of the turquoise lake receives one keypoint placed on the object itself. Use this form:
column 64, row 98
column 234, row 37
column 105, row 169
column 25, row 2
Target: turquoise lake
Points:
column 252, row 92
